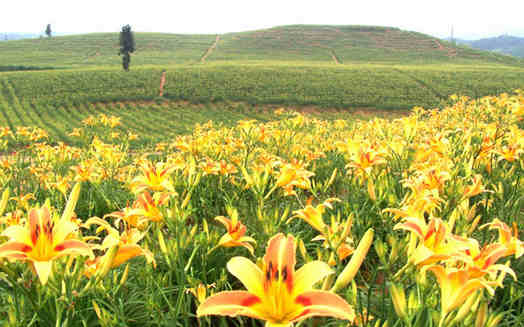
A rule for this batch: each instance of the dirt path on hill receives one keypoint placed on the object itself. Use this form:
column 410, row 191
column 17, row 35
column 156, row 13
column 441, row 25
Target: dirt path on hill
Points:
column 210, row 50
column 334, row 56
column 440, row 47
column 451, row 52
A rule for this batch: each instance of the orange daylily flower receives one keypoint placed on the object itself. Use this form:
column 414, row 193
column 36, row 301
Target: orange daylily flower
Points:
column 235, row 232
column 146, row 208
column 154, row 177
column 126, row 247
column 292, row 175
column 277, row 293
column 476, row 188
column 42, row 240
column 509, row 240
column 313, row 215
column 456, row 286
column 365, row 160
column 436, row 241
column 481, row 261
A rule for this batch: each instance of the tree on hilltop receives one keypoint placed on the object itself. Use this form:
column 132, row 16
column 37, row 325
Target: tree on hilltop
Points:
column 48, row 30
column 127, row 46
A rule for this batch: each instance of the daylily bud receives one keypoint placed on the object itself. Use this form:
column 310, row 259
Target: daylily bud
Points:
column 124, row 276
column 380, row 248
column 465, row 308
column 399, row 300
column 108, row 261
column 354, row 291
column 186, row 200
column 371, row 190
column 71, row 202
column 97, row 310
column 413, row 302
column 347, row 228
column 421, row 278
column 482, row 315
column 494, row 320
column 332, row 178
column 354, row 264
column 474, row 225
column 394, row 249
column 206, row 228
column 161, row 242
column 63, row 288
column 3, row 202
column 302, row 250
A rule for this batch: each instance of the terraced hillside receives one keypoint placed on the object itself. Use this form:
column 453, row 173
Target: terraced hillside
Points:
column 333, row 44
column 343, row 44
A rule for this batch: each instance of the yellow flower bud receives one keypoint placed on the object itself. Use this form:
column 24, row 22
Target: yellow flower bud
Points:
column 399, row 300
column 380, row 249
column 302, row 250
column 466, row 307
column 97, row 310
column 481, row 315
column 3, row 202
column 71, row 202
column 494, row 320
column 124, row 276
column 413, row 302
column 354, row 264
column 371, row 190
column 108, row 261
column 162, row 242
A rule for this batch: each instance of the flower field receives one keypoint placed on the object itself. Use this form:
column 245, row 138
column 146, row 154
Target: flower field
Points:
column 413, row 221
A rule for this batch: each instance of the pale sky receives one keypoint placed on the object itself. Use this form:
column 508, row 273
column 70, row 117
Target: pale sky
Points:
column 470, row 19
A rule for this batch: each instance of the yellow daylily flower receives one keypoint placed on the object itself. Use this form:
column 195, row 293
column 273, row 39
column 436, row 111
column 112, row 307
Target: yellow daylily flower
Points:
column 42, row 240
column 125, row 247
column 154, row 177
column 509, row 240
column 277, row 293
column 235, row 232
column 456, row 286
column 436, row 241
column 313, row 215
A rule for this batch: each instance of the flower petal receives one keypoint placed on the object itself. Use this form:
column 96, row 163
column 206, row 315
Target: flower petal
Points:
column 225, row 221
column 62, row 230
column 43, row 270
column 323, row 303
column 309, row 274
column 281, row 252
column 34, row 227
column 248, row 273
column 73, row 247
column 17, row 233
column 230, row 303
column 126, row 252
column 9, row 248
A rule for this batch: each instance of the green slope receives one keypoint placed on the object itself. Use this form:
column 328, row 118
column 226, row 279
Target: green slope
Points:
column 102, row 49
column 347, row 44
column 344, row 44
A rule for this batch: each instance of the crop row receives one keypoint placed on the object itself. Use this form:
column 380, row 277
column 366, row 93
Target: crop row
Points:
column 283, row 84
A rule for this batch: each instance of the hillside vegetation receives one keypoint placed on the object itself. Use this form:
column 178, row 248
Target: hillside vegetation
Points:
column 322, row 66
column 342, row 44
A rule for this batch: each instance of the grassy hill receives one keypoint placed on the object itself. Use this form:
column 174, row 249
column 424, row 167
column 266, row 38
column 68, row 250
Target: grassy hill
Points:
column 321, row 66
column 342, row 44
